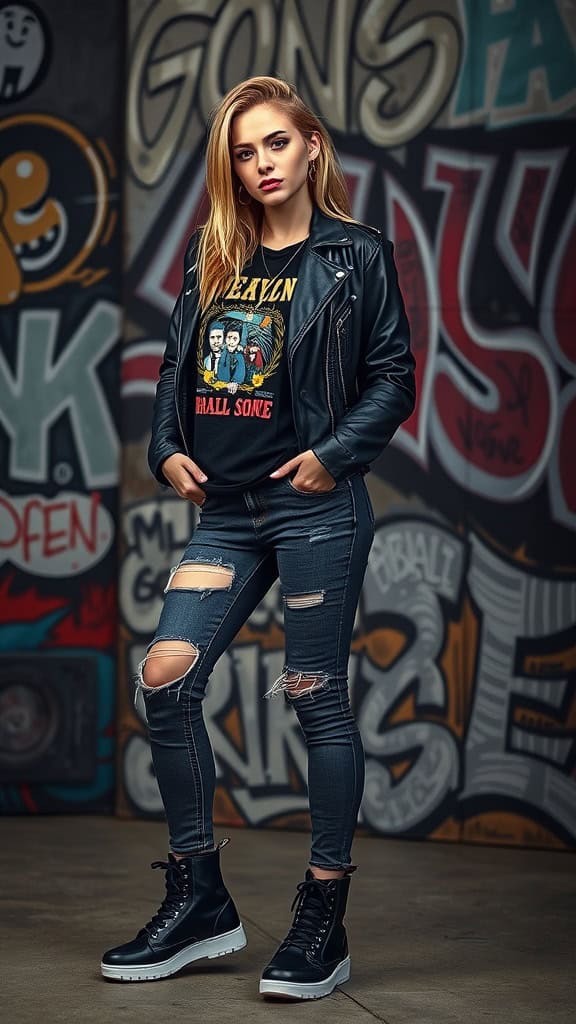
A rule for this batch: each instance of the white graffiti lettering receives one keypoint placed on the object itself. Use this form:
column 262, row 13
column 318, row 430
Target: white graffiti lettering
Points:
column 381, row 48
column 411, row 565
column 44, row 387
column 279, row 41
column 504, row 758
column 500, row 757
column 155, row 533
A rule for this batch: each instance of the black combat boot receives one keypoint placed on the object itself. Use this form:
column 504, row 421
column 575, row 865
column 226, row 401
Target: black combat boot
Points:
column 313, row 958
column 197, row 919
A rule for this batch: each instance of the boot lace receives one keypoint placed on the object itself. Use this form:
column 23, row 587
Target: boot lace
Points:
column 314, row 901
column 176, row 889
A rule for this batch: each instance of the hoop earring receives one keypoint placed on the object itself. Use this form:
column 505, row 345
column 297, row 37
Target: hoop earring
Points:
column 240, row 197
column 312, row 174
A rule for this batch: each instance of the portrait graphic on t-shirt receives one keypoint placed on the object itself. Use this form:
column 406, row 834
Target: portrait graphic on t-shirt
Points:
column 242, row 348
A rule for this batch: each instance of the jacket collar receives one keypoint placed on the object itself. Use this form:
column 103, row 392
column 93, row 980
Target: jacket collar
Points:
column 327, row 231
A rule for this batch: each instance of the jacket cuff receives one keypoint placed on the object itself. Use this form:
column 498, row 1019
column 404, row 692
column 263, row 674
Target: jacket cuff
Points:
column 339, row 462
column 156, row 460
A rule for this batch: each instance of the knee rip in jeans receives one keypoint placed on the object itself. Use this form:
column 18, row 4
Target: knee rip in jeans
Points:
column 298, row 684
column 202, row 575
column 304, row 600
column 175, row 659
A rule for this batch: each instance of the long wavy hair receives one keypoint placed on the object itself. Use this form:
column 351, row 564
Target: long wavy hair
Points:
column 233, row 230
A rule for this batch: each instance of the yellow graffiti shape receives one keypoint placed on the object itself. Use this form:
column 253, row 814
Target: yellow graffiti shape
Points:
column 33, row 224
column 11, row 281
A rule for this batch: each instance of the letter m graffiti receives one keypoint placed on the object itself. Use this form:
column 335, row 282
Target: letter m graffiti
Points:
column 43, row 387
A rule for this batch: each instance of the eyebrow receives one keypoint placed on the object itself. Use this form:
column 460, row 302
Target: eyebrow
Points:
column 279, row 131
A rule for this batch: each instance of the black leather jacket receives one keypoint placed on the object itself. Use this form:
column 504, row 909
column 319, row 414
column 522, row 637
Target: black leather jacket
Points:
column 351, row 369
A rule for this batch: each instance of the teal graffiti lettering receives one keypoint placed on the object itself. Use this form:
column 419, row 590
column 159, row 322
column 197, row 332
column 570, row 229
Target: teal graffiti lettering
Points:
column 534, row 38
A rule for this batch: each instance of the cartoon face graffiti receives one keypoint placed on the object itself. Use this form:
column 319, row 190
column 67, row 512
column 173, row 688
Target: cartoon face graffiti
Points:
column 53, row 205
column 23, row 50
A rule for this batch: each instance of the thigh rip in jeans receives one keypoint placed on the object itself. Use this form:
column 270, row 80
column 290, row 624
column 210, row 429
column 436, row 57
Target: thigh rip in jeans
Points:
column 176, row 656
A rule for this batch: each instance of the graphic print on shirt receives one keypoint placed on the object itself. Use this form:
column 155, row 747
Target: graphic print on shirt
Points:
column 240, row 348
column 243, row 423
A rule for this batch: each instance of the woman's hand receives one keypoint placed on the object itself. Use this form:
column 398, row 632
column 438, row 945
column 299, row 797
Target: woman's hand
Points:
column 310, row 473
column 184, row 475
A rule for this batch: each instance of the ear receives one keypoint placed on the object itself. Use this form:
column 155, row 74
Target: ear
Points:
column 313, row 145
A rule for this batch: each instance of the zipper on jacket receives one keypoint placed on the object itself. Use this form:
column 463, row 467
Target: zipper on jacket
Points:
column 339, row 340
column 327, row 375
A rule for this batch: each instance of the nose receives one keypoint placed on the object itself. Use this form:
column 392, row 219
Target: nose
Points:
column 264, row 163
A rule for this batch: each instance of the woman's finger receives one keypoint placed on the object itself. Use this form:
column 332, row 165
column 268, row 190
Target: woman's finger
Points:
column 195, row 470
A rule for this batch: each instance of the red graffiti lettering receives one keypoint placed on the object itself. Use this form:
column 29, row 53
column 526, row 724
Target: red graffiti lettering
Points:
column 487, row 426
column 78, row 536
column 416, row 277
column 37, row 530
column 51, row 535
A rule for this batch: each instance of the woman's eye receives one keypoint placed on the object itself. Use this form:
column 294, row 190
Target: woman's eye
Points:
column 244, row 154
column 279, row 143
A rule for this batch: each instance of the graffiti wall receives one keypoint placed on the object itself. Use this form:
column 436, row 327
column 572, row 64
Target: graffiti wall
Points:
column 454, row 125
column 60, row 260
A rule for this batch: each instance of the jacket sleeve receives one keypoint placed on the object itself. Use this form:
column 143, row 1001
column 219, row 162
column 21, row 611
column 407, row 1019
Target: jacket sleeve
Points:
column 385, row 375
column 166, row 437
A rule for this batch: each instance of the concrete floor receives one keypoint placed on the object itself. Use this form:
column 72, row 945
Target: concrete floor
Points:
column 438, row 932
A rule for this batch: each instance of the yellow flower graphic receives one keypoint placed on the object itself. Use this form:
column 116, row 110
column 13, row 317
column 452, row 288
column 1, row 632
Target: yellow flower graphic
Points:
column 258, row 379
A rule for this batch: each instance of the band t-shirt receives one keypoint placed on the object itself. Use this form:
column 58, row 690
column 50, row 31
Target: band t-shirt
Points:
column 243, row 423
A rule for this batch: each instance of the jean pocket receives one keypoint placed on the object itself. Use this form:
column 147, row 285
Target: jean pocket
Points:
column 309, row 494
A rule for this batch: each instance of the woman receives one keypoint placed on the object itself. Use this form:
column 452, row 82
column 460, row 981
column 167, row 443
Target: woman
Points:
column 276, row 461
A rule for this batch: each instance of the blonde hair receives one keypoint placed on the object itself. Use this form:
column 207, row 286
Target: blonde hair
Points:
column 232, row 231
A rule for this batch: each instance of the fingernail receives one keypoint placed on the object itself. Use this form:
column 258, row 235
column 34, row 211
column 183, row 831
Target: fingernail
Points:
column 203, row 477
column 274, row 473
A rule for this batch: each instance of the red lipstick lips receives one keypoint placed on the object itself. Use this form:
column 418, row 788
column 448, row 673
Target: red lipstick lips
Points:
column 269, row 184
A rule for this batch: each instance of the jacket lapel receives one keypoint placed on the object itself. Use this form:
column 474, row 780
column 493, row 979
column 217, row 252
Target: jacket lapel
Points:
column 319, row 277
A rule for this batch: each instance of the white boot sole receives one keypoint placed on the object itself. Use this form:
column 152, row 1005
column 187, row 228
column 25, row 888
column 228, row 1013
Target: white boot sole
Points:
column 313, row 990
column 220, row 945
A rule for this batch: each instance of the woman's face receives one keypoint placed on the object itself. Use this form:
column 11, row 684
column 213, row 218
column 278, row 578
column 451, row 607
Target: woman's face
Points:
column 269, row 154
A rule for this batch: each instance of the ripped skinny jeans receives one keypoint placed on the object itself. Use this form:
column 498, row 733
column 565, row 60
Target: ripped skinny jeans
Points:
column 318, row 545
